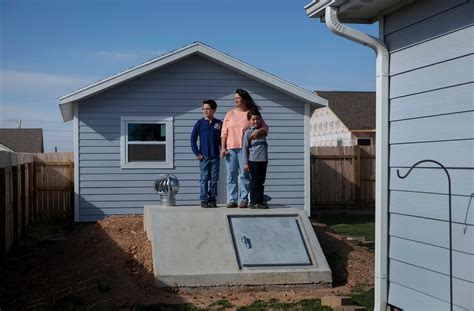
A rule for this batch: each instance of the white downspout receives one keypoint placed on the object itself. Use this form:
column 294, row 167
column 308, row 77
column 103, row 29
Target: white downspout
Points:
column 381, row 150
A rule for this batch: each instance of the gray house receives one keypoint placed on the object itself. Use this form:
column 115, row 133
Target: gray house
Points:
column 115, row 168
column 424, row 110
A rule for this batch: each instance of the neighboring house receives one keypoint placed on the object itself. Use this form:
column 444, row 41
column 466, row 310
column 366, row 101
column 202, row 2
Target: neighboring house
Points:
column 348, row 120
column 21, row 140
column 115, row 170
column 425, row 110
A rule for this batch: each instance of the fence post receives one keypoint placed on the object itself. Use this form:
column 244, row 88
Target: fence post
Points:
column 357, row 173
column 24, row 209
column 3, row 216
column 71, row 192
column 16, row 208
column 33, row 192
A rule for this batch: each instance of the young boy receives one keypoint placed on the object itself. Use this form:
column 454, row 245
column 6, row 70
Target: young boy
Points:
column 208, row 129
column 255, row 159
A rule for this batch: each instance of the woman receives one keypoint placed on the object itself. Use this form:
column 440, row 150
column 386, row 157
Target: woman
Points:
column 233, row 129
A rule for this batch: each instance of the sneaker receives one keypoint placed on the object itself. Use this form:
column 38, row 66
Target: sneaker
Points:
column 231, row 205
column 213, row 204
column 204, row 205
column 261, row 206
column 252, row 206
column 243, row 204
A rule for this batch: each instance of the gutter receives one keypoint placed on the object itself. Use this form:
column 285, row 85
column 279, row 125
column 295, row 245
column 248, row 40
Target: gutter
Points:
column 381, row 159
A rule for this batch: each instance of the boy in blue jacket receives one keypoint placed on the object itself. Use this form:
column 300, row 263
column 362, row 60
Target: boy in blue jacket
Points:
column 208, row 130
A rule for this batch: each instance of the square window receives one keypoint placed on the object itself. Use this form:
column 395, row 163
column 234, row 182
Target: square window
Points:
column 146, row 142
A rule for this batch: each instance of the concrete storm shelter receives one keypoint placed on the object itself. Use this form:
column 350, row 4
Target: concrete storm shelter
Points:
column 424, row 255
column 169, row 91
column 115, row 174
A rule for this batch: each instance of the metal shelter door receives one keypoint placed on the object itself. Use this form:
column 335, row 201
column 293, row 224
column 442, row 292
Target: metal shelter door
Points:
column 269, row 241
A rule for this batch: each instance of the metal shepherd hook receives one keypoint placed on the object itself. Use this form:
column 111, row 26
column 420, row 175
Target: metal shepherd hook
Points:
column 450, row 226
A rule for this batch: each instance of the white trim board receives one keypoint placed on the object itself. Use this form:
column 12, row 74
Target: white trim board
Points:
column 66, row 101
column 307, row 160
column 76, row 162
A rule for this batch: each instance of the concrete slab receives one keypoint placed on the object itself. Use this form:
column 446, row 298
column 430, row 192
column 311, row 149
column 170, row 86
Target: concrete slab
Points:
column 193, row 246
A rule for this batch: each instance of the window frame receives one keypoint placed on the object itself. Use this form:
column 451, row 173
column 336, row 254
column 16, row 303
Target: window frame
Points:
column 169, row 142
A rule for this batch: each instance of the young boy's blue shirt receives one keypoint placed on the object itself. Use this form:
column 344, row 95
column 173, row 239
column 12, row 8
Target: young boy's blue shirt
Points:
column 209, row 134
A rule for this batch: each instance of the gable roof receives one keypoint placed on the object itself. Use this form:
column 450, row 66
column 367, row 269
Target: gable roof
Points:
column 22, row 140
column 355, row 109
column 66, row 102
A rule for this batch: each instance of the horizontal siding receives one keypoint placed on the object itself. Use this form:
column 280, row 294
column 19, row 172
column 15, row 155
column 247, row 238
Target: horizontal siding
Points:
column 433, row 232
column 449, row 20
column 405, row 155
column 190, row 116
column 434, row 51
column 444, row 127
column 181, row 176
column 433, row 180
column 417, row 12
column 178, row 90
column 429, row 283
column 146, row 181
column 112, row 126
column 431, row 117
column 452, row 99
column 433, row 206
column 452, row 72
column 411, row 299
column 413, row 253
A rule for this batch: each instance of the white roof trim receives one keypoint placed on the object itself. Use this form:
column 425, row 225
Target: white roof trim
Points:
column 66, row 101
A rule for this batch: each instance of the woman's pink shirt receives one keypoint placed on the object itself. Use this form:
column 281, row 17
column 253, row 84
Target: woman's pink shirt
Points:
column 234, row 126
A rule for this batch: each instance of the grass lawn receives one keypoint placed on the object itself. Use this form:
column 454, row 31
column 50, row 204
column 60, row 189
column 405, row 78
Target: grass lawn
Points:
column 360, row 296
column 351, row 225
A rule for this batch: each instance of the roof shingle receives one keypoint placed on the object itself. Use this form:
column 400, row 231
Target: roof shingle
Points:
column 22, row 140
column 355, row 109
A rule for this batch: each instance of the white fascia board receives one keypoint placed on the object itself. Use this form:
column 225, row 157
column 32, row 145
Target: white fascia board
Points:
column 211, row 54
column 355, row 11
column 128, row 74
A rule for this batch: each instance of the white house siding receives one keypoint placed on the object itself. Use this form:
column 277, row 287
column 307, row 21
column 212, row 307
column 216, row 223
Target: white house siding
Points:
column 327, row 129
column 431, row 47
column 178, row 91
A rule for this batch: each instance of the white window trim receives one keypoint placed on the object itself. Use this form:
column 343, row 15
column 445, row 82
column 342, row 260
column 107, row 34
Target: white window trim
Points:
column 168, row 121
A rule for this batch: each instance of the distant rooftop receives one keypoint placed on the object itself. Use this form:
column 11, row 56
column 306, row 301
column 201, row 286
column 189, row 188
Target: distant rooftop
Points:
column 355, row 109
column 22, row 140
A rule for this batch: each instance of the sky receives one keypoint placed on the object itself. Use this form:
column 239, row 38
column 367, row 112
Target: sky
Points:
column 49, row 48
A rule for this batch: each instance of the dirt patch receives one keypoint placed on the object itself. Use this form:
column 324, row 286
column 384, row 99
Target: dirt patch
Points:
column 108, row 265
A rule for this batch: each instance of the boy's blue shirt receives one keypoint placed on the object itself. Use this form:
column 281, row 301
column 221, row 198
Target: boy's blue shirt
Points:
column 209, row 134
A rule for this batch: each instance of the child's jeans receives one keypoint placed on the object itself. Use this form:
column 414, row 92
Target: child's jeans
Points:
column 209, row 176
column 258, row 173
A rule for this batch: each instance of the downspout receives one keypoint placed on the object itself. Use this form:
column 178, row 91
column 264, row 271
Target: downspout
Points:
column 381, row 150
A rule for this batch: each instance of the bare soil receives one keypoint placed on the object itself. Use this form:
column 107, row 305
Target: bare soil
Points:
column 108, row 265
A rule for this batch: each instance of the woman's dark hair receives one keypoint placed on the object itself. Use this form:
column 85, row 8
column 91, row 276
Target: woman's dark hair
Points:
column 251, row 105
column 211, row 103
column 253, row 113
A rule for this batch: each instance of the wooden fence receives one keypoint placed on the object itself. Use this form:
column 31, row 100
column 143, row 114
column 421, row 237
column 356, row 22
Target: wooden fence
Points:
column 343, row 176
column 34, row 189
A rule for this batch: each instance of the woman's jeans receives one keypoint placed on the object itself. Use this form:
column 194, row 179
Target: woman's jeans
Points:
column 235, row 171
column 209, row 175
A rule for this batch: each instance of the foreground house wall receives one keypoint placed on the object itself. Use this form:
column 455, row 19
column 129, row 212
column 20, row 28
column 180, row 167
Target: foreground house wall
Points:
column 177, row 91
column 431, row 117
